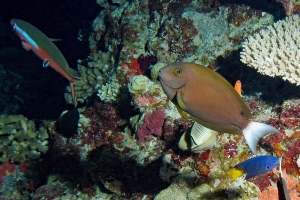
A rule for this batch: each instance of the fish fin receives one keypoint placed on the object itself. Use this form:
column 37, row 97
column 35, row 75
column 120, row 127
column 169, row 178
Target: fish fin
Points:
column 208, row 144
column 238, row 87
column 26, row 46
column 254, row 131
column 280, row 168
column 181, row 112
column 55, row 40
column 283, row 192
column 76, row 77
column 235, row 173
column 74, row 97
column 180, row 102
column 46, row 63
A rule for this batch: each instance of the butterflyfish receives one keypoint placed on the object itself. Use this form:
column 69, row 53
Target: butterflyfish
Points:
column 254, row 166
column 283, row 192
column 197, row 138
column 210, row 100
column 35, row 40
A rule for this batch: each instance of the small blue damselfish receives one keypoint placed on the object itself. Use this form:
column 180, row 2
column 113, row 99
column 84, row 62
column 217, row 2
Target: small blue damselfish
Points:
column 258, row 165
column 254, row 166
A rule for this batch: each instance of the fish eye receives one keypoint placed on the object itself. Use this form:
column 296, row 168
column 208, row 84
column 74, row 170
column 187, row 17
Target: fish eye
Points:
column 178, row 72
column 268, row 167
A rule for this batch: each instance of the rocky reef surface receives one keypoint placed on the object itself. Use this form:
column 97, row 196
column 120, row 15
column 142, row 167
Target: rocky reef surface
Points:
column 122, row 141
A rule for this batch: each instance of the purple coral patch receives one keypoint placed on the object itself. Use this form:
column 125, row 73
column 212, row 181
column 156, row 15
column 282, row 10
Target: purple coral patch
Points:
column 153, row 123
column 145, row 61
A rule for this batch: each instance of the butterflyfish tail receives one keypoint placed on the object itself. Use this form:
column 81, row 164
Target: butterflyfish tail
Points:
column 254, row 131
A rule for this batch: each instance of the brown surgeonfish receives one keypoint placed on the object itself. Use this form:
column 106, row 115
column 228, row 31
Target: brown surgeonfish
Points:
column 210, row 100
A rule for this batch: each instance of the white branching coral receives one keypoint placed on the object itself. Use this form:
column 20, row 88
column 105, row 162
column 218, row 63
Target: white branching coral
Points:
column 275, row 51
column 109, row 92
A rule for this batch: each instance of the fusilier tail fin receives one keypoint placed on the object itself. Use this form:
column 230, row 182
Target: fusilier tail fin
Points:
column 254, row 131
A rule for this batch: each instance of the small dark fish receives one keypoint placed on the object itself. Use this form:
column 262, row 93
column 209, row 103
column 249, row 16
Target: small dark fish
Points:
column 67, row 123
column 254, row 166
column 283, row 193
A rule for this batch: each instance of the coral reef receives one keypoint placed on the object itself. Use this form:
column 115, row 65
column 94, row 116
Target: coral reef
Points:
column 274, row 51
column 125, row 142
column 15, row 180
column 153, row 123
column 138, row 84
column 109, row 92
column 131, row 37
column 20, row 140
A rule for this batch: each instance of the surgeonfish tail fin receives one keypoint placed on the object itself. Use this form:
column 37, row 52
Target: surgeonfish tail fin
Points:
column 254, row 131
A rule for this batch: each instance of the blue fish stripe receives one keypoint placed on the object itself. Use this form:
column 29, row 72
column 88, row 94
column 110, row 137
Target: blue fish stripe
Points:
column 31, row 41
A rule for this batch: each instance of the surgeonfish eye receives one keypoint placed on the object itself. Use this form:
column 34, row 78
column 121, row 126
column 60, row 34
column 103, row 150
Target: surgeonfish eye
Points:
column 178, row 72
column 268, row 167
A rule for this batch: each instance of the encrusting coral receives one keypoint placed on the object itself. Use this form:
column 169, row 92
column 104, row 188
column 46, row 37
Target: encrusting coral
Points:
column 109, row 92
column 275, row 51
column 19, row 139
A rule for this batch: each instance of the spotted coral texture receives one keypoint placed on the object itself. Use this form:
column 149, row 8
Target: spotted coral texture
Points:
column 109, row 92
column 275, row 51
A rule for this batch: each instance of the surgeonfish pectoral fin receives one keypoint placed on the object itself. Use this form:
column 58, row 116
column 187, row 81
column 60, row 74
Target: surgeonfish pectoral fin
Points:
column 26, row 46
column 181, row 112
column 235, row 173
column 180, row 102
column 46, row 63
column 74, row 97
column 254, row 131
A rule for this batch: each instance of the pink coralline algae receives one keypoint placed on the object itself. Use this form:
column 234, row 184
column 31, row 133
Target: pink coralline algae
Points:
column 230, row 149
column 271, row 192
column 103, row 117
column 145, row 100
column 203, row 167
column 290, row 157
column 262, row 181
column 153, row 123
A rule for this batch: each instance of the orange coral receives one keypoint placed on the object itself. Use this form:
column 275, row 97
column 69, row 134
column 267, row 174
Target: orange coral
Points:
column 272, row 192
column 132, row 68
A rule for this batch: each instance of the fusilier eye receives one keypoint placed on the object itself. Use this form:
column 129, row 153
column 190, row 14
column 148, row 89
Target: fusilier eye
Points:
column 178, row 72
